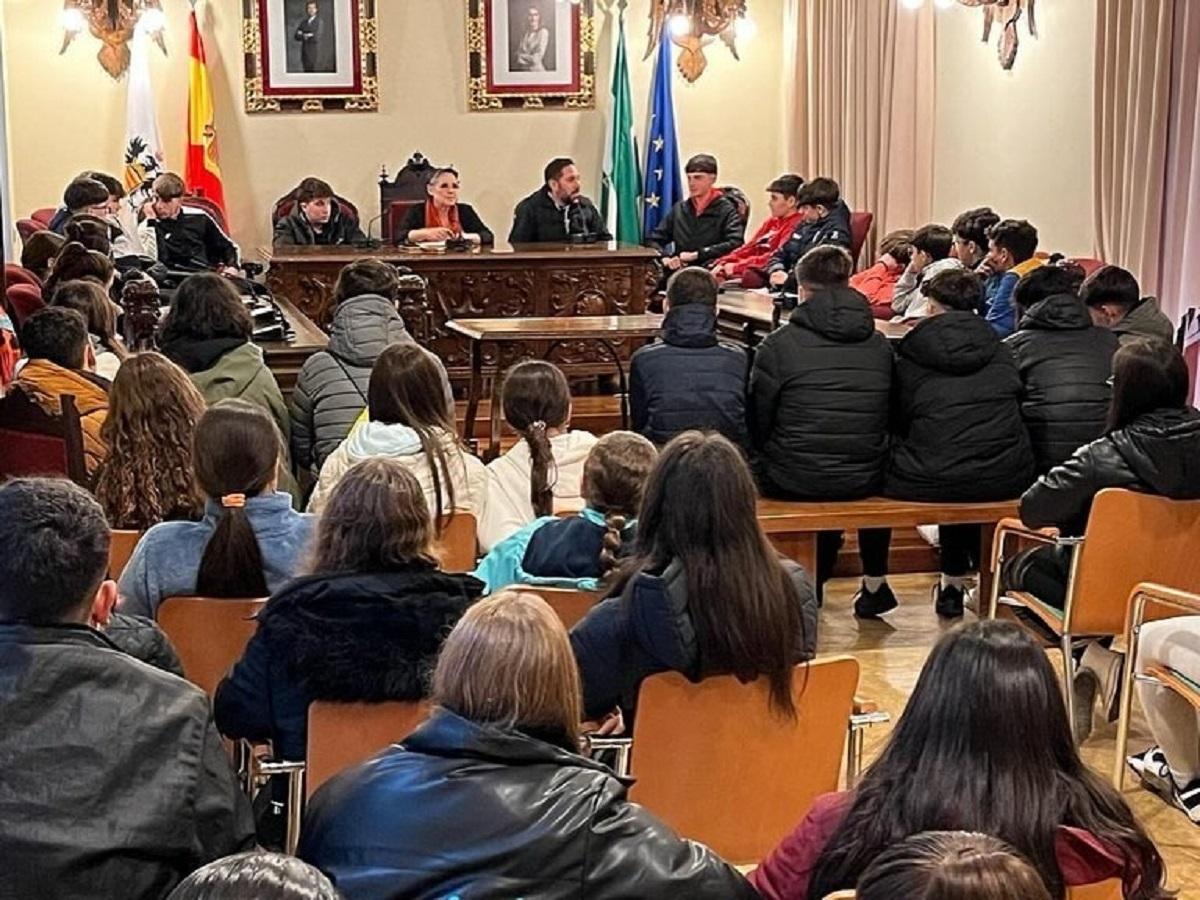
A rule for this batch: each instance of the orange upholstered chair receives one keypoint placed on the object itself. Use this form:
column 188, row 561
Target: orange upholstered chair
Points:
column 341, row 735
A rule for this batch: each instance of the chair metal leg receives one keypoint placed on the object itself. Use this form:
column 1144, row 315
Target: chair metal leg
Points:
column 295, row 804
column 1068, row 678
column 1132, row 633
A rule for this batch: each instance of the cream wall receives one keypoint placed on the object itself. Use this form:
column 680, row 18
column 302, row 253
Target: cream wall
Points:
column 66, row 114
column 1019, row 141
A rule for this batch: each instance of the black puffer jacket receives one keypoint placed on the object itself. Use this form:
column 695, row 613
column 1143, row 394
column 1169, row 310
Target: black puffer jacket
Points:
column 833, row 229
column 959, row 435
column 715, row 232
column 1158, row 453
column 649, row 629
column 1065, row 363
column 819, row 400
column 466, row 810
column 688, row 379
column 113, row 780
column 355, row 637
column 295, row 230
column 331, row 390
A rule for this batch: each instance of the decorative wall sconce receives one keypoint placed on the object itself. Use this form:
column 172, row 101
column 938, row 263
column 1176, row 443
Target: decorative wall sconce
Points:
column 1005, row 13
column 114, row 23
column 694, row 24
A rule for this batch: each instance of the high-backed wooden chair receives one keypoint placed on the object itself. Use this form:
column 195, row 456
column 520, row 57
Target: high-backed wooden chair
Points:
column 341, row 735
column 718, row 765
column 1130, row 538
column 287, row 203
column 457, row 542
column 570, row 605
column 34, row 443
column 209, row 634
column 120, row 548
column 860, row 227
column 405, row 190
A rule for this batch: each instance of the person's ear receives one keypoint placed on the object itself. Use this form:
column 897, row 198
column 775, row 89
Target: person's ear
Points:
column 102, row 604
column 89, row 358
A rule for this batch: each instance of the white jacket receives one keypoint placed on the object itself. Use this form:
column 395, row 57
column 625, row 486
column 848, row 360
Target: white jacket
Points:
column 509, row 507
column 467, row 474
column 908, row 296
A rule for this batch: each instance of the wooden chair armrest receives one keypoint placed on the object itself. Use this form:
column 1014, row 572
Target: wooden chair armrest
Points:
column 1015, row 527
column 863, row 706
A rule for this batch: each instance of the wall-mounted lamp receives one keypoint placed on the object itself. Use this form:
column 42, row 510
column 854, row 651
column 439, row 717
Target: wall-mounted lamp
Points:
column 1005, row 13
column 694, row 24
column 114, row 23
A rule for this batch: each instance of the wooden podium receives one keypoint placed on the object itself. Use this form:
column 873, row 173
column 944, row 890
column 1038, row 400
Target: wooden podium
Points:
column 525, row 281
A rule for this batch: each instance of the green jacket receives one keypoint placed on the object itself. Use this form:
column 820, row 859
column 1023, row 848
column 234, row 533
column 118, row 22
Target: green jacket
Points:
column 242, row 373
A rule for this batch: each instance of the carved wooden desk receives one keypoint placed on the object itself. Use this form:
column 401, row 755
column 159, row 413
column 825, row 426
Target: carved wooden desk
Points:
column 605, row 331
column 527, row 280
column 748, row 316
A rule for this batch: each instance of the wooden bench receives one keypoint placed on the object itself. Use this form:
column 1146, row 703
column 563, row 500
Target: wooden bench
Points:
column 793, row 527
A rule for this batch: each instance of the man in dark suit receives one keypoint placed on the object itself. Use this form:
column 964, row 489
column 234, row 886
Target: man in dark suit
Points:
column 308, row 33
column 557, row 212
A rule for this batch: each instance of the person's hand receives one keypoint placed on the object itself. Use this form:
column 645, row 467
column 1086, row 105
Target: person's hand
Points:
column 920, row 260
column 611, row 725
column 230, row 270
column 441, row 234
column 778, row 279
column 148, row 212
column 689, row 256
column 720, row 273
column 672, row 263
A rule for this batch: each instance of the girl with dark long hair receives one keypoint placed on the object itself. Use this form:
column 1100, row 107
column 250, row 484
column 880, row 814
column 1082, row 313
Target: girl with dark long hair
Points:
column 250, row 540
column 1152, row 445
column 581, row 551
column 983, row 745
column 363, row 625
column 704, row 592
column 411, row 419
column 147, row 476
column 542, row 473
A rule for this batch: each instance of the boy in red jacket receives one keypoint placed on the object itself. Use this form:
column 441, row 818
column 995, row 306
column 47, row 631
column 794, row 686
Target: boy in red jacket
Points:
column 748, row 263
column 877, row 283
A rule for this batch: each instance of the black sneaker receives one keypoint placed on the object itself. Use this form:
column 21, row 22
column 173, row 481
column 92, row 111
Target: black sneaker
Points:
column 948, row 602
column 872, row 604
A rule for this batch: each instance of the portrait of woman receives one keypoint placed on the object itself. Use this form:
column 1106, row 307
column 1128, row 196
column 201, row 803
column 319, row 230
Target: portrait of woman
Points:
column 529, row 53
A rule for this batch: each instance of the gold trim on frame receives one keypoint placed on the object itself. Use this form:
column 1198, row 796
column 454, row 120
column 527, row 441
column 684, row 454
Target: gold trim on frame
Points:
column 478, row 96
column 368, row 44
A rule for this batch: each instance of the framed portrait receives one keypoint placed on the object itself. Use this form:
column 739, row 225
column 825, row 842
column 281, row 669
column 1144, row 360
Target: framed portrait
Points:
column 310, row 55
column 531, row 54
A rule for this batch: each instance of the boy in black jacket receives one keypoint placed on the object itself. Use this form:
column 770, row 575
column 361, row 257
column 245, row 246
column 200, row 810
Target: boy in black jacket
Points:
column 702, row 226
column 826, row 221
column 688, row 379
column 819, row 401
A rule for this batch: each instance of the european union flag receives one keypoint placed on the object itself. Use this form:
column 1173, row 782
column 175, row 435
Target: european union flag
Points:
column 664, row 186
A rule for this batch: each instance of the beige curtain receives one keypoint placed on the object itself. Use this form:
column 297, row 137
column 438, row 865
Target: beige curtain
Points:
column 1132, row 94
column 861, row 104
column 1179, row 274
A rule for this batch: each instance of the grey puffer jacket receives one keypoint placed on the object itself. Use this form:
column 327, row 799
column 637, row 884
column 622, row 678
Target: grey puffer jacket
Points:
column 332, row 388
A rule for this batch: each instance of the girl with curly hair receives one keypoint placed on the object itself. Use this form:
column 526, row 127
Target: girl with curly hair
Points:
column 147, row 478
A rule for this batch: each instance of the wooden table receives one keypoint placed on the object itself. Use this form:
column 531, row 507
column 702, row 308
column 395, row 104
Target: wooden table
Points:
column 793, row 527
column 527, row 280
column 284, row 358
column 748, row 316
column 604, row 331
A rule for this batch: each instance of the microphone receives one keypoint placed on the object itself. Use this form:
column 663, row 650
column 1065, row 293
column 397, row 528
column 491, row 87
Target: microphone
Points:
column 371, row 242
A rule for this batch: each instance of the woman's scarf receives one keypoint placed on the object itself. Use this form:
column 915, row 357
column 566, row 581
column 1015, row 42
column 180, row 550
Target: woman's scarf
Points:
column 436, row 218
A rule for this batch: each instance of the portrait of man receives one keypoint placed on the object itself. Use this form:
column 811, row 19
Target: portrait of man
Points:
column 531, row 32
column 313, row 39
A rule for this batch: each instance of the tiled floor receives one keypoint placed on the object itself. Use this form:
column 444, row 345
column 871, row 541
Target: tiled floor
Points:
column 891, row 654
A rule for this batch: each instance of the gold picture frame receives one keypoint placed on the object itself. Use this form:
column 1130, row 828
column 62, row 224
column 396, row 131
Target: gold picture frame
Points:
column 519, row 60
column 340, row 73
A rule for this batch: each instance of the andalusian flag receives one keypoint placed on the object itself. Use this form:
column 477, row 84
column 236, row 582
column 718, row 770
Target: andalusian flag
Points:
column 619, row 199
column 202, row 173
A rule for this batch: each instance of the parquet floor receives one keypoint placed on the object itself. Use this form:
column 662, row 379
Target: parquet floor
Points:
column 891, row 654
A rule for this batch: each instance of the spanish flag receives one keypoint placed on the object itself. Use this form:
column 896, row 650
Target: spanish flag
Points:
column 203, row 170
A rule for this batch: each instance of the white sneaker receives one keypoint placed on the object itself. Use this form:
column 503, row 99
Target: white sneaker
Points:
column 1151, row 767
